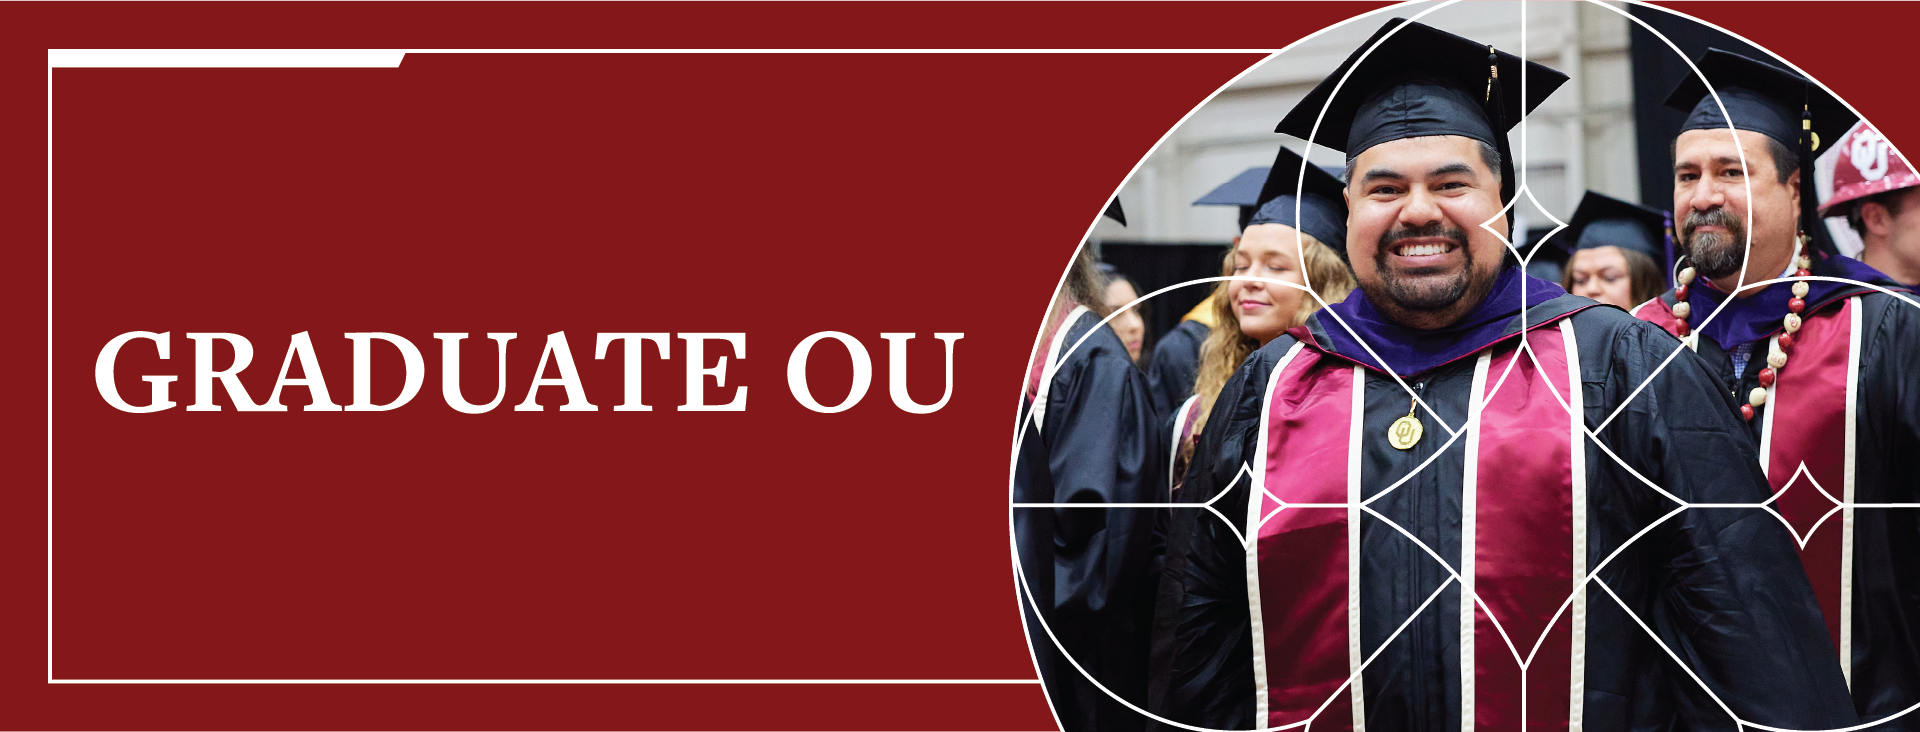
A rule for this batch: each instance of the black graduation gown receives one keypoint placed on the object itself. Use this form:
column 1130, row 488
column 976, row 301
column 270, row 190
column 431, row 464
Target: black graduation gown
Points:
column 1721, row 587
column 1090, row 570
column 1881, row 546
column 1173, row 530
column 1175, row 363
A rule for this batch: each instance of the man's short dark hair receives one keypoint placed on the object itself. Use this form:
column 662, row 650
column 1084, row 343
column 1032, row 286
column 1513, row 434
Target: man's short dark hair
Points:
column 1488, row 154
column 1785, row 161
column 1893, row 200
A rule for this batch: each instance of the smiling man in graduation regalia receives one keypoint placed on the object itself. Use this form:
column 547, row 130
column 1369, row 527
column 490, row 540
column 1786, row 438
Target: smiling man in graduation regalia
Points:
column 1822, row 370
column 1407, row 543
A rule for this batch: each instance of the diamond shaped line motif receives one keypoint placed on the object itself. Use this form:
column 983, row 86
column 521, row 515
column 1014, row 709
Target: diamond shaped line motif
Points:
column 1798, row 473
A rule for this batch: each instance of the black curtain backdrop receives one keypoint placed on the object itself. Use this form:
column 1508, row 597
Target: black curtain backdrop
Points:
column 1656, row 71
column 1153, row 266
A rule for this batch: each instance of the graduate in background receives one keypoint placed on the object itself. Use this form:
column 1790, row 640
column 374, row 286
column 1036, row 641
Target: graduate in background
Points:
column 1252, row 314
column 1486, row 500
column 1619, row 254
column 1879, row 194
column 1822, row 371
column 1277, row 244
column 1130, row 325
column 1176, row 358
column 1088, row 437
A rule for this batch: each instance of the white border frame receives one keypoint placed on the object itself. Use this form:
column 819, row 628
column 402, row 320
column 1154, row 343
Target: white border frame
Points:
column 364, row 58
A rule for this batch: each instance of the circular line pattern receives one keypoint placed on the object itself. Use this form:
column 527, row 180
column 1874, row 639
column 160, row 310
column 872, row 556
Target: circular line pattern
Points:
column 1592, row 434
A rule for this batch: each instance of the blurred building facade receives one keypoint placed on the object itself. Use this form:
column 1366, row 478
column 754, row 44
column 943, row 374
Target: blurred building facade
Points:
column 1582, row 138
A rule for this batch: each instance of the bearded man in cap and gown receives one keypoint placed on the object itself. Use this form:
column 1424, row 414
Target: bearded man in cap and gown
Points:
column 1821, row 365
column 1410, row 503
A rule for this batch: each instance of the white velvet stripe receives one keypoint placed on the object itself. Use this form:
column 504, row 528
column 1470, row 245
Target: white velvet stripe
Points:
column 1052, row 364
column 1468, row 537
column 1766, row 421
column 1847, row 495
column 1354, row 656
column 1179, row 425
column 1577, row 613
column 1261, row 705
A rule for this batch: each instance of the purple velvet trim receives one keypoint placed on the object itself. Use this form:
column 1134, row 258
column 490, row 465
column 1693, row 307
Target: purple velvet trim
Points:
column 1411, row 350
column 1752, row 318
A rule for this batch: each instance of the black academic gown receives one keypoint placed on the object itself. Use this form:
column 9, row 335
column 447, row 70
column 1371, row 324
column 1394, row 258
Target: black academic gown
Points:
column 1720, row 587
column 1175, row 363
column 1172, row 531
column 1880, row 545
column 1090, row 570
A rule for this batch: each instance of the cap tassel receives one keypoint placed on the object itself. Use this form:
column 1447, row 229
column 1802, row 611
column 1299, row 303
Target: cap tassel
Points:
column 1666, row 218
column 1493, row 72
column 1496, row 100
column 1810, row 224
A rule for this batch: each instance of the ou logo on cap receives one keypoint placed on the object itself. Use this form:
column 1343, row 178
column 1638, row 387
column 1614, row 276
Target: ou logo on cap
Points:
column 1868, row 153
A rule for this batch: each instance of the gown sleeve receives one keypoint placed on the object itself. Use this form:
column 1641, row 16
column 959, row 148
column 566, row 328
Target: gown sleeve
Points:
column 1210, row 649
column 1890, row 397
column 1166, row 591
column 1175, row 363
column 1886, row 628
column 1102, row 447
column 1722, row 588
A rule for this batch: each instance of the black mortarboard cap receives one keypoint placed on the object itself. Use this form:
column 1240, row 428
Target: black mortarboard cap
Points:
column 1764, row 98
column 1113, row 211
column 1603, row 221
column 1322, row 205
column 1419, row 82
column 1243, row 191
column 1538, row 248
column 1759, row 97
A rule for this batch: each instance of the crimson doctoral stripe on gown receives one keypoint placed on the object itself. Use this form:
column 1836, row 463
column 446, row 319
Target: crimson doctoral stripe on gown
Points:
column 1300, row 560
column 1527, row 554
column 1524, row 542
column 1806, row 425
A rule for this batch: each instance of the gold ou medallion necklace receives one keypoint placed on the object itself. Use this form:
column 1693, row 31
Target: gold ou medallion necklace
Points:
column 1405, row 432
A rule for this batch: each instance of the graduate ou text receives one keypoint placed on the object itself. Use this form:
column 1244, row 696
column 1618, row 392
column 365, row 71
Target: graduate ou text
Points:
column 557, row 353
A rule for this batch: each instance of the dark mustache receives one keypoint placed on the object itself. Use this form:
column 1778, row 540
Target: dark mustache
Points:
column 1431, row 230
column 1711, row 217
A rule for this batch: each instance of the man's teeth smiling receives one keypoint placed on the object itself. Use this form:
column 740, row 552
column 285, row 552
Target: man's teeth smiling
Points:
column 1421, row 250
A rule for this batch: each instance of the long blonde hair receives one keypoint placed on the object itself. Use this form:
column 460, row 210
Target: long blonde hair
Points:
column 1227, row 347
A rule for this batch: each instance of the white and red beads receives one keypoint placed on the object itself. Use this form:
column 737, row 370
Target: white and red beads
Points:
column 1778, row 347
column 1680, row 307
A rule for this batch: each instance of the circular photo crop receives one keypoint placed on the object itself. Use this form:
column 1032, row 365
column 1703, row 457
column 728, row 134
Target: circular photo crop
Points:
column 1486, row 366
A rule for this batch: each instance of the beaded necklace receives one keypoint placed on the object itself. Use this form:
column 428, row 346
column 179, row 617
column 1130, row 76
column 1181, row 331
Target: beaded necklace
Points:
column 1780, row 346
